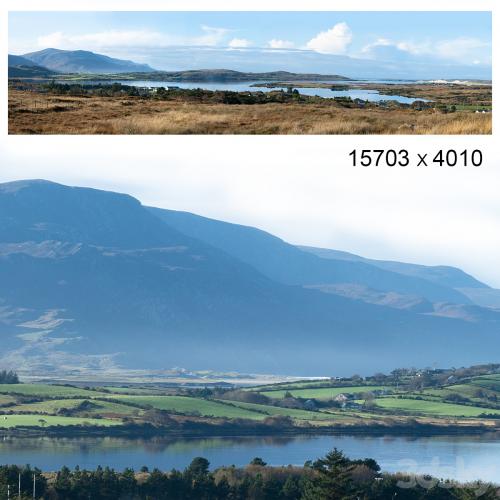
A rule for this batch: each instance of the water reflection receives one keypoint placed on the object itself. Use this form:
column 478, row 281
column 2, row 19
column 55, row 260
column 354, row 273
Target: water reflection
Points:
column 365, row 95
column 459, row 457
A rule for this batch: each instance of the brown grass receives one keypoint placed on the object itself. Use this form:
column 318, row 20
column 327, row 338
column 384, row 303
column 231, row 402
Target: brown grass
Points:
column 32, row 113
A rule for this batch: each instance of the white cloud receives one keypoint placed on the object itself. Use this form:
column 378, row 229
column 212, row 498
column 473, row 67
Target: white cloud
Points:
column 333, row 41
column 463, row 49
column 239, row 43
column 212, row 36
column 119, row 39
column 280, row 44
column 104, row 39
column 459, row 50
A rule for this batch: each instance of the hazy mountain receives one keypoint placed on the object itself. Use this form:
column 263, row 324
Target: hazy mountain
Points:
column 288, row 264
column 179, row 59
column 91, row 277
column 308, row 61
column 19, row 61
column 83, row 61
column 476, row 291
column 21, row 67
column 443, row 275
column 486, row 297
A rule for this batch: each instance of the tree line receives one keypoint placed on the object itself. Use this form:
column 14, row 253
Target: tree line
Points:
column 334, row 477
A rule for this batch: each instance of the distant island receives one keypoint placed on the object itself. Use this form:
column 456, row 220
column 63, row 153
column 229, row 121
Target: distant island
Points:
column 212, row 75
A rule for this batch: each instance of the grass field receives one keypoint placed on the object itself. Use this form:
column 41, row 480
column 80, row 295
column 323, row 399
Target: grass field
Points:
column 491, row 382
column 133, row 390
column 323, row 393
column 55, row 405
column 306, row 384
column 288, row 412
column 48, row 391
column 132, row 404
column 465, row 390
column 186, row 405
column 434, row 408
column 9, row 421
column 32, row 113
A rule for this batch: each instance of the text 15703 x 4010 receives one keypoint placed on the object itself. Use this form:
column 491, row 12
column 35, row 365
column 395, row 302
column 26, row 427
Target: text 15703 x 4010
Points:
column 403, row 158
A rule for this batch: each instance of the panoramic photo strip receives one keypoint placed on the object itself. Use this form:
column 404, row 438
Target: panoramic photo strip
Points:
column 250, row 72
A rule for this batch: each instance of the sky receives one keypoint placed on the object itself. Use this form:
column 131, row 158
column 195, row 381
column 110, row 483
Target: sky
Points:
column 430, row 37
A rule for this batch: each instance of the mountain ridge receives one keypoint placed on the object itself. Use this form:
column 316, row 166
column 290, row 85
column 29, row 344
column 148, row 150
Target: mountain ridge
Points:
column 234, row 239
column 81, row 61
column 446, row 275
column 94, row 277
column 20, row 67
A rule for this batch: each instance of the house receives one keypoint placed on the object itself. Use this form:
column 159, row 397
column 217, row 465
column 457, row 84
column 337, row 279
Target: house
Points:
column 340, row 398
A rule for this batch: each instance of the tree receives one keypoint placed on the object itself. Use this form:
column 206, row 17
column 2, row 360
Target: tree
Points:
column 62, row 484
column 291, row 489
column 199, row 466
column 334, row 477
column 258, row 461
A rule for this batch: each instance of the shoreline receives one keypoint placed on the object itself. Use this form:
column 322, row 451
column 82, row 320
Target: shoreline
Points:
column 204, row 431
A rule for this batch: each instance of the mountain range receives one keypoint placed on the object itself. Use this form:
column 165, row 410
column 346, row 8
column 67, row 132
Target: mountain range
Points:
column 96, row 279
column 78, row 61
column 179, row 59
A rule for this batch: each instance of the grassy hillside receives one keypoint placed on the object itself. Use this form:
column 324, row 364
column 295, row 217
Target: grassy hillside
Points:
column 193, row 406
column 46, row 391
column 8, row 421
column 461, row 397
column 432, row 407
column 324, row 392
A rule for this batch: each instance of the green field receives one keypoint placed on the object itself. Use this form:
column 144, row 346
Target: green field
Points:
column 288, row 412
column 132, row 390
column 435, row 408
column 111, row 405
column 48, row 391
column 301, row 384
column 52, row 406
column 186, row 405
column 324, row 393
column 491, row 382
column 465, row 390
column 8, row 421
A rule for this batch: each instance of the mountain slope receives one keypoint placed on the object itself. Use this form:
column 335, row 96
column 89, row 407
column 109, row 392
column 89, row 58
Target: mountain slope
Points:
column 19, row 61
column 485, row 297
column 83, row 61
column 441, row 275
column 93, row 278
column 288, row 264
column 20, row 67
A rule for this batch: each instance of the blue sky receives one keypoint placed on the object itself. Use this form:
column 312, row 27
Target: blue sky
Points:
column 448, row 35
